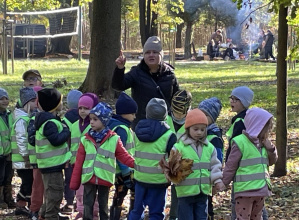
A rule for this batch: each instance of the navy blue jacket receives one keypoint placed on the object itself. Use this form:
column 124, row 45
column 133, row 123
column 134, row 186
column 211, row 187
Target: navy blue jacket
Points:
column 52, row 134
column 217, row 142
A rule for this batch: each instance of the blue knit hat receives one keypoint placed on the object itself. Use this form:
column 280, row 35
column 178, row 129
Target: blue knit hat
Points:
column 103, row 111
column 3, row 93
column 211, row 107
column 73, row 98
column 244, row 94
column 125, row 104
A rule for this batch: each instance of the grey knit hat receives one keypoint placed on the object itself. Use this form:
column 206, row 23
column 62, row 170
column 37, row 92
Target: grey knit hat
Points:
column 3, row 93
column 211, row 107
column 26, row 95
column 156, row 109
column 244, row 94
column 153, row 43
column 72, row 98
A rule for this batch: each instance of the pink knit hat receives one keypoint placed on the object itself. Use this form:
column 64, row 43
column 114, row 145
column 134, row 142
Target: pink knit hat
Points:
column 86, row 101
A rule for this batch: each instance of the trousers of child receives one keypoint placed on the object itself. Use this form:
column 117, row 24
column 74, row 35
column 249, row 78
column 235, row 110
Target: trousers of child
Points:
column 37, row 194
column 173, row 214
column 153, row 197
column 193, row 207
column 89, row 197
column 24, row 194
column 79, row 201
column 68, row 193
column 248, row 208
column 5, row 169
column 53, row 194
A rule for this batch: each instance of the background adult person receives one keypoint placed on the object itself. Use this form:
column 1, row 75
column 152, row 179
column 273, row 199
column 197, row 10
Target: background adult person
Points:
column 217, row 37
column 268, row 46
column 151, row 78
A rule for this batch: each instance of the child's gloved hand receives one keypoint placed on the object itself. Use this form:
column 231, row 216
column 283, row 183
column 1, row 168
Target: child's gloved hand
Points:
column 128, row 180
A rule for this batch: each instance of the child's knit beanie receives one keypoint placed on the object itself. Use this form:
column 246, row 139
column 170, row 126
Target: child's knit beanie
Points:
column 49, row 99
column 125, row 104
column 72, row 98
column 153, row 43
column 181, row 102
column 88, row 100
column 245, row 95
column 211, row 107
column 195, row 116
column 3, row 93
column 156, row 109
column 37, row 88
column 103, row 111
column 26, row 95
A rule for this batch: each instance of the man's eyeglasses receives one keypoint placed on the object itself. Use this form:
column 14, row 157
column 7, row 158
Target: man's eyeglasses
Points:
column 233, row 99
column 34, row 79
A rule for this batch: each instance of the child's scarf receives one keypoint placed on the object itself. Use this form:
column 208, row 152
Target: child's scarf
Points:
column 98, row 136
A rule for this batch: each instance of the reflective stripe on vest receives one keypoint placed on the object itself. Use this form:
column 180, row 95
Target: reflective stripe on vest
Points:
column 31, row 149
column 99, row 160
column 230, row 131
column 5, row 140
column 252, row 173
column 130, row 146
column 15, row 155
column 200, row 179
column 147, row 157
column 76, row 135
column 180, row 132
column 48, row 155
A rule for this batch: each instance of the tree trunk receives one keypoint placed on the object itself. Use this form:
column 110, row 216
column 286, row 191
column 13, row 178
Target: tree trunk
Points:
column 125, row 34
column 105, row 46
column 179, row 35
column 187, row 51
column 142, row 22
column 281, row 123
column 154, row 24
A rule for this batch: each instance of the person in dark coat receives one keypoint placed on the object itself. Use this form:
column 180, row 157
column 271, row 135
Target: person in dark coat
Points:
column 268, row 46
column 151, row 78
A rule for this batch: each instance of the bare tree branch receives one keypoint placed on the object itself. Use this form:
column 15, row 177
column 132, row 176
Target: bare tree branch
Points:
column 262, row 6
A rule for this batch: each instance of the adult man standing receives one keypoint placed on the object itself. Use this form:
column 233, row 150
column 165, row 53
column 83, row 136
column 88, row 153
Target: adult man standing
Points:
column 268, row 46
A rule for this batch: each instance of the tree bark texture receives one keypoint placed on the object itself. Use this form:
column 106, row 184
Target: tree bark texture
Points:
column 179, row 35
column 187, row 51
column 105, row 47
column 281, row 123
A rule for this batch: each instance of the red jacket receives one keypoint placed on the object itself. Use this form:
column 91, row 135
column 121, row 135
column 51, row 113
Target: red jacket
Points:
column 120, row 153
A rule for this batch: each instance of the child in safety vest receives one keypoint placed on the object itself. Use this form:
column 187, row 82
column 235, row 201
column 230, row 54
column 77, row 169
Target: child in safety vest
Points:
column 248, row 164
column 240, row 100
column 51, row 150
column 19, row 148
column 78, row 129
column 95, row 164
column 6, row 171
column 180, row 105
column 120, row 122
column 211, row 108
column 153, row 140
column 193, row 192
column 70, row 117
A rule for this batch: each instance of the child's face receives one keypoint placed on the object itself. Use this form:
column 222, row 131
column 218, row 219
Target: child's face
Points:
column 96, row 123
column 265, row 131
column 32, row 80
column 129, row 117
column 179, row 116
column 4, row 103
column 210, row 121
column 236, row 105
column 197, row 131
column 83, row 112
column 33, row 104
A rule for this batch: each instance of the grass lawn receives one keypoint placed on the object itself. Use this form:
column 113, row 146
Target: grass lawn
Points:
column 203, row 79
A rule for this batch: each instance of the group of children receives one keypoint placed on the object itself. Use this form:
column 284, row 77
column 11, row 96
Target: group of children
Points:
column 97, row 149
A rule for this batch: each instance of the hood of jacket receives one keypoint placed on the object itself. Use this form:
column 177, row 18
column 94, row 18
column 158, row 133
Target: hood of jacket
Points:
column 72, row 115
column 18, row 112
column 148, row 130
column 42, row 117
column 255, row 120
column 118, row 120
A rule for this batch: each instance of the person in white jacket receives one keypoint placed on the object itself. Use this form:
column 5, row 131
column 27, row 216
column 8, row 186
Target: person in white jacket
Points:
column 19, row 145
